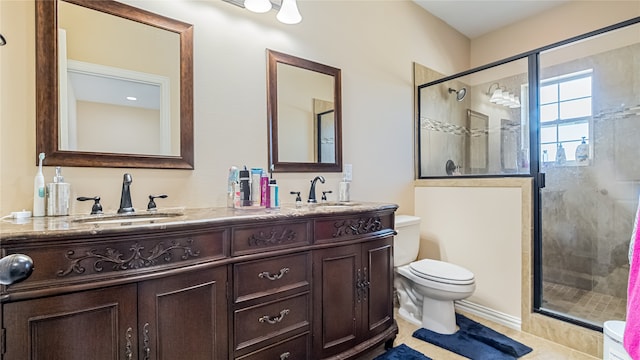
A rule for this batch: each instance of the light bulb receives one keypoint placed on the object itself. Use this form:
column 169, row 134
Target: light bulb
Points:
column 257, row 6
column 497, row 95
column 289, row 13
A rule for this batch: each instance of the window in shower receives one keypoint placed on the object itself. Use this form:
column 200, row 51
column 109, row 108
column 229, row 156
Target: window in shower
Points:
column 565, row 116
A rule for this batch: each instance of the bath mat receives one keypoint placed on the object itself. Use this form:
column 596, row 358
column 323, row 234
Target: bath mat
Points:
column 402, row 352
column 475, row 341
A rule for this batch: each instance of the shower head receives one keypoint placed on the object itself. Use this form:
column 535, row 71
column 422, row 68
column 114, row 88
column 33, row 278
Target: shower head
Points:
column 460, row 94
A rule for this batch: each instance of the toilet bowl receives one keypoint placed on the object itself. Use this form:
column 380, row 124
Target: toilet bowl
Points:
column 427, row 288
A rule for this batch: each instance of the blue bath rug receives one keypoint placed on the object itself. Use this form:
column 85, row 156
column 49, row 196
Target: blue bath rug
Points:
column 475, row 341
column 402, row 352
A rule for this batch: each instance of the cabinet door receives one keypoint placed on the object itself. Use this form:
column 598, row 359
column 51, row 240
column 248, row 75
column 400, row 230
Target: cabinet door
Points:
column 96, row 324
column 336, row 299
column 377, row 265
column 184, row 316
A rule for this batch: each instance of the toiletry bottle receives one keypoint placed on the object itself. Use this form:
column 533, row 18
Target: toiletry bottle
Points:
column 245, row 187
column 561, row 157
column 264, row 189
column 344, row 191
column 256, row 174
column 273, row 194
column 39, row 190
column 582, row 152
column 58, row 193
column 232, row 180
column 344, row 187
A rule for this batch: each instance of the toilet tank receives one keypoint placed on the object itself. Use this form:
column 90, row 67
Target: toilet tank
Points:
column 407, row 242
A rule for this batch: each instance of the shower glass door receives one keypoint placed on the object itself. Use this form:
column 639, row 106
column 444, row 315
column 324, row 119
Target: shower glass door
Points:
column 589, row 131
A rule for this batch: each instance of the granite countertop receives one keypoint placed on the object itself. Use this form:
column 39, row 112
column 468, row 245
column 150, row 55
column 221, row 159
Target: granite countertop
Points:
column 169, row 218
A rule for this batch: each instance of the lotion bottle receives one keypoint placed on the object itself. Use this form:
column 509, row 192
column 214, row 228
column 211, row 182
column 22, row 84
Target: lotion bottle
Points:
column 58, row 193
column 39, row 190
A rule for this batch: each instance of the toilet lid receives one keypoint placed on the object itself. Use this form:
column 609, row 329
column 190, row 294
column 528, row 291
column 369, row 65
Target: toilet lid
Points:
column 441, row 271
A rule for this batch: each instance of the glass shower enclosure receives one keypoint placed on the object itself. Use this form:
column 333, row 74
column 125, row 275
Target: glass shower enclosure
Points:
column 567, row 115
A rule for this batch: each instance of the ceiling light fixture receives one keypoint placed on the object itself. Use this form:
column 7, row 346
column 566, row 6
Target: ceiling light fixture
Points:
column 258, row 6
column 289, row 13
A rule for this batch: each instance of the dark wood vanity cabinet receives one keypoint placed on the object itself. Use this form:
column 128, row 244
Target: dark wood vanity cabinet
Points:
column 280, row 287
column 357, row 280
column 67, row 326
column 177, row 317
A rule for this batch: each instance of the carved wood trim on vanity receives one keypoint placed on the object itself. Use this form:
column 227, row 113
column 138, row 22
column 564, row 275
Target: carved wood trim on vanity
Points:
column 357, row 227
column 135, row 261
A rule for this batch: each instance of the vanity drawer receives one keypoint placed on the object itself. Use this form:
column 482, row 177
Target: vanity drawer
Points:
column 253, row 239
column 258, row 278
column 266, row 321
column 296, row 348
column 106, row 258
column 352, row 227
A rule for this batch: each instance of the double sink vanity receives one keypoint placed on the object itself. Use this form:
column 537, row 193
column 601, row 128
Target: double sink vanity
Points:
column 312, row 282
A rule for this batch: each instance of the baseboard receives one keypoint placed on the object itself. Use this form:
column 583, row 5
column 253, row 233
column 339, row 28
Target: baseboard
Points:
column 489, row 314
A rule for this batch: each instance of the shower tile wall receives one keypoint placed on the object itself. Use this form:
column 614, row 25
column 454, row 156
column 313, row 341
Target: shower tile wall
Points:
column 442, row 127
column 588, row 211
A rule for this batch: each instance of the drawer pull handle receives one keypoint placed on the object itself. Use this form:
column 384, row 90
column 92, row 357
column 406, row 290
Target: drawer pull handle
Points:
column 285, row 355
column 266, row 274
column 274, row 319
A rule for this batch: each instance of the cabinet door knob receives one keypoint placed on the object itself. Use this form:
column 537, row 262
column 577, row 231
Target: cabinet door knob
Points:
column 285, row 355
column 274, row 319
column 268, row 275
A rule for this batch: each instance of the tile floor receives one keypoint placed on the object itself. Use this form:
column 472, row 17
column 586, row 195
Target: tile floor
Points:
column 542, row 349
column 582, row 304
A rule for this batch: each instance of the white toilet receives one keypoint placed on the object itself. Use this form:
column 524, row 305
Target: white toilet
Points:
column 426, row 288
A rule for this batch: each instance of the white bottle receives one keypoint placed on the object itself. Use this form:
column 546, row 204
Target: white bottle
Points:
column 344, row 187
column 39, row 190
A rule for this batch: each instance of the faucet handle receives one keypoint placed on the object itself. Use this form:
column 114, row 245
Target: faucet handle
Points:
column 324, row 195
column 96, row 208
column 298, row 198
column 152, row 204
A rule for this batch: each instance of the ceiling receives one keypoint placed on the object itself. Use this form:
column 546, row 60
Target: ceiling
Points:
column 474, row 18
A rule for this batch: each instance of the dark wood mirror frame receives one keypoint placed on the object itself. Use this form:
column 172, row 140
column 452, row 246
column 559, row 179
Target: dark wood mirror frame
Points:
column 47, row 90
column 273, row 58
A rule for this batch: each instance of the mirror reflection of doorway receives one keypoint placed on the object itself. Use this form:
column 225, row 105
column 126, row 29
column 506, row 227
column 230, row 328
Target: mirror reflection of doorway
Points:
column 326, row 137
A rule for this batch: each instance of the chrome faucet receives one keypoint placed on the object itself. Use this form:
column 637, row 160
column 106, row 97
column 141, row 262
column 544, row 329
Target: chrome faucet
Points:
column 125, row 197
column 312, row 191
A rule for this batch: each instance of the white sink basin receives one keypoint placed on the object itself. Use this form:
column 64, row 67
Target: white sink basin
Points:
column 150, row 217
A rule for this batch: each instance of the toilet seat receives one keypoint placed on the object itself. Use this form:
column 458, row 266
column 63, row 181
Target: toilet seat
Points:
column 442, row 272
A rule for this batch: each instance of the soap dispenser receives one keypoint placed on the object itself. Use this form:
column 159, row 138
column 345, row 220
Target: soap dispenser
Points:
column 582, row 152
column 58, row 194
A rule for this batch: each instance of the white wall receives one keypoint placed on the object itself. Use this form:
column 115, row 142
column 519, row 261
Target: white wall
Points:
column 467, row 227
column 374, row 43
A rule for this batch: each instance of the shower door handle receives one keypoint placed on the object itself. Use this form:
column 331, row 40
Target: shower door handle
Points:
column 541, row 180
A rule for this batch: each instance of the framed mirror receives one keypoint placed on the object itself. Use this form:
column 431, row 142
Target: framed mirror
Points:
column 114, row 86
column 304, row 115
